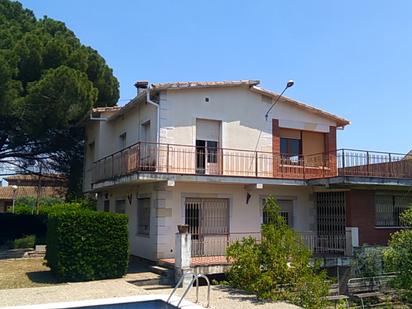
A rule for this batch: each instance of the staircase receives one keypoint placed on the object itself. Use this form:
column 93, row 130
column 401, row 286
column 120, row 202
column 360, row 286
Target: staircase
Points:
column 155, row 278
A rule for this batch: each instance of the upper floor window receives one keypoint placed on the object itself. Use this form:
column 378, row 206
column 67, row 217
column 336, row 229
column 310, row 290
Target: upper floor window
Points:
column 122, row 140
column 145, row 132
column 290, row 148
column 388, row 209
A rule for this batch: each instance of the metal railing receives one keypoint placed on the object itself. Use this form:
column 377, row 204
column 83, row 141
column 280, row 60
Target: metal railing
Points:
column 194, row 278
column 216, row 245
column 192, row 160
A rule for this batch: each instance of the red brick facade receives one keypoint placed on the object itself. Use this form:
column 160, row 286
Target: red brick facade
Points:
column 330, row 150
column 360, row 212
column 276, row 146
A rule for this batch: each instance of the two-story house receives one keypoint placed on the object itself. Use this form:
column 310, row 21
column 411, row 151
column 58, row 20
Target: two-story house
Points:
column 203, row 154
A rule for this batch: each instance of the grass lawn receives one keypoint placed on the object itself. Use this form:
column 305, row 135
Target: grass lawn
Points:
column 25, row 273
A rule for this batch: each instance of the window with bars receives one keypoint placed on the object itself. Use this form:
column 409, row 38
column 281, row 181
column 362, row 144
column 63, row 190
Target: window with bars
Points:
column 143, row 216
column 106, row 205
column 286, row 211
column 388, row 209
column 120, row 206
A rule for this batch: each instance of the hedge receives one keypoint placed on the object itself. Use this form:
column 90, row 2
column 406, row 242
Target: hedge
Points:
column 87, row 245
column 13, row 226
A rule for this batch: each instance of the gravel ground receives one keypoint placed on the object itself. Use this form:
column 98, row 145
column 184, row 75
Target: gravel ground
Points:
column 219, row 297
column 227, row 298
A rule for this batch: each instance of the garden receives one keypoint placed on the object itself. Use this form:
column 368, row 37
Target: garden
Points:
column 281, row 268
column 81, row 244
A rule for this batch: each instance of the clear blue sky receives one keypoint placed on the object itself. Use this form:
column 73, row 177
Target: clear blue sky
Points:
column 351, row 58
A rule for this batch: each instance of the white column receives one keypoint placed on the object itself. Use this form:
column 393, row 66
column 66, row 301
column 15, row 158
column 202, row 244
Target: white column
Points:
column 183, row 252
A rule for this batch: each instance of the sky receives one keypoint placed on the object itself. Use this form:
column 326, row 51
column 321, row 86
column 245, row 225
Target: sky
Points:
column 351, row 58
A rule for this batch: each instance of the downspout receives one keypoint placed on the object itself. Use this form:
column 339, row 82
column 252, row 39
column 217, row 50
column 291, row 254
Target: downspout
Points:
column 148, row 100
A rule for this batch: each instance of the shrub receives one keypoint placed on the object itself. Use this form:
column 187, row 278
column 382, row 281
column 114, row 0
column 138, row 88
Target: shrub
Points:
column 398, row 257
column 368, row 261
column 86, row 245
column 27, row 204
column 24, row 242
column 277, row 268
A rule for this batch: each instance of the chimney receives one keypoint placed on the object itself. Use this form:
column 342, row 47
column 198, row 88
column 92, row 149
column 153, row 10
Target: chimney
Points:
column 141, row 85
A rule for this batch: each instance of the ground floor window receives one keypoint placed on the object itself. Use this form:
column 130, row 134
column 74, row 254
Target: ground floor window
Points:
column 286, row 211
column 120, row 206
column 388, row 209
column 106, row 205
column 143, row 216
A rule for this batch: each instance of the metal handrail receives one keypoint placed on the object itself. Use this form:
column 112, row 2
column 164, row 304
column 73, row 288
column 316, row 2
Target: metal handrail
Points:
column 194, row 278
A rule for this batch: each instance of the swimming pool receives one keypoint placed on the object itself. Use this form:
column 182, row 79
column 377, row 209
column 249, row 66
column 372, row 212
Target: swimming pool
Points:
column 133, row 302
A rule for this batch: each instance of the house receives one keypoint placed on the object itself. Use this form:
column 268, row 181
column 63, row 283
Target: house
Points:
column 203, row 154
column 30, row 185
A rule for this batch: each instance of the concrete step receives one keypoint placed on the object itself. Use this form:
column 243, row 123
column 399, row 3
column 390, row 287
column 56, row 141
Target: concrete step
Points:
column 156, row 287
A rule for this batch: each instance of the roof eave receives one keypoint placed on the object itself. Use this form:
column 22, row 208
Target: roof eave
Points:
column 340, row 122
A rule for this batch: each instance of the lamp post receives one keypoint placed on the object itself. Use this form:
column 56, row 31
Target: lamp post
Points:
column 289, row 84
column 14, row 187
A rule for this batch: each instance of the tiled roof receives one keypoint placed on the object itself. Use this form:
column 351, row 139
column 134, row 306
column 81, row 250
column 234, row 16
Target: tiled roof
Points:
column 185, row 85
column 6, row 193
column 35, row 177
column 105, row 109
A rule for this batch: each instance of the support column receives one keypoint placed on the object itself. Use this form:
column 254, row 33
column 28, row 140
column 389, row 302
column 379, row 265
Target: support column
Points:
column 183, row 256
column 330, row 150
column 276, row 147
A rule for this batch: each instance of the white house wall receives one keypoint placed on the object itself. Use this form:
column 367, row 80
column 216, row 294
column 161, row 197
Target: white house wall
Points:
column 241, row 112
column 167, row 211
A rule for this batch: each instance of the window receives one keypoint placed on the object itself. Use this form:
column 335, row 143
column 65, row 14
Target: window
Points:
column 286, row 211
column 388, row 209
column 122, row 140
column 120, row 206
column 145, row 136
column 106, row 205
column 143, row 216
column 290, row 149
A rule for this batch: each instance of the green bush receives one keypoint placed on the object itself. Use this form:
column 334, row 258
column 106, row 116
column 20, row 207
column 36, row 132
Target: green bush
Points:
column 278, row 267
column 86, row 245
column 24, row 242
column 368, row 261
column 398, row 257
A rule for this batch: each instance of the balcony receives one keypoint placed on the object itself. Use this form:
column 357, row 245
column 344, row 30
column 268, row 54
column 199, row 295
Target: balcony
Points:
column 191, row 160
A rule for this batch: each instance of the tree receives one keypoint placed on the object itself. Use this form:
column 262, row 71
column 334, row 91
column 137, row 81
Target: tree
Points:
column 278, row 267
column 398, row 257
column 48, row 82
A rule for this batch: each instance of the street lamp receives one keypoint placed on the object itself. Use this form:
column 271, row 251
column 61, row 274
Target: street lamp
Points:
column 289, row 84
column 14, row 187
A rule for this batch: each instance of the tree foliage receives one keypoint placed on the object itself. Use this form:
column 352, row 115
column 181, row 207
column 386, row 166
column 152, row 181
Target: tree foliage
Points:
column 48, row 82
column 279, row 266
column 398, row 257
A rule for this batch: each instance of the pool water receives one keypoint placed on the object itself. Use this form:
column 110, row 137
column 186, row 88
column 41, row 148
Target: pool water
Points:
column 151, row 304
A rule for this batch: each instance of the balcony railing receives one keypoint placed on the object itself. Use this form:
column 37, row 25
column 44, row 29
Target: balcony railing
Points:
column 216, row 245
column 192, row 160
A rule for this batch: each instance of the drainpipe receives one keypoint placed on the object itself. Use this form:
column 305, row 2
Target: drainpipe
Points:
column 148, row 100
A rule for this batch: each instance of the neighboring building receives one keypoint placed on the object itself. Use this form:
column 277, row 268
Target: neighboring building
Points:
column 28, row 185
column 203, row 154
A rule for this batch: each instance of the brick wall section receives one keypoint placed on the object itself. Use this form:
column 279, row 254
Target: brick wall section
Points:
column 276, row 146
column 330, row 150
column 360, row 212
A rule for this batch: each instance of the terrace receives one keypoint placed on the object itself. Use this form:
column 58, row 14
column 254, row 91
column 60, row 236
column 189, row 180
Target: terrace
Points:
column 194, row 160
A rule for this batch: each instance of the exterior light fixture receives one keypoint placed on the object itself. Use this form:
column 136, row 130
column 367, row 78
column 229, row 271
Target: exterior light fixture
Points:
column 289, row 84
column 14, row 187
